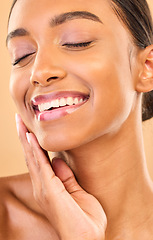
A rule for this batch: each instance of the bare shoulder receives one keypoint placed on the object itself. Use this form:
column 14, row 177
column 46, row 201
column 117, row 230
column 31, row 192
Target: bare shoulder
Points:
column 3, row 209
column 15, row 200
column 10, row 187
column 20, row 216
column 15, row 187
column 10, row 198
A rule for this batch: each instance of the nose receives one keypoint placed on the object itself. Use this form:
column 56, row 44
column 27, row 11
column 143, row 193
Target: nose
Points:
column 45, row 69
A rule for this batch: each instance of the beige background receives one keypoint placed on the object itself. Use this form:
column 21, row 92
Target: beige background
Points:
column 11, row 156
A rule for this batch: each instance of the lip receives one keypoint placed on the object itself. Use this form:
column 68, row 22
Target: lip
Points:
column 39, row 99
column 57, row 113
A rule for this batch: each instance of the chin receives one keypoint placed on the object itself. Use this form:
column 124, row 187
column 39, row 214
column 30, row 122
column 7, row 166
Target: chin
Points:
column 56, row 145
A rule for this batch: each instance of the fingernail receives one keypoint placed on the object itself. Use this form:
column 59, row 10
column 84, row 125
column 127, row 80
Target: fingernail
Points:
column 17, row 122
column 17, row 117
column 27, row 136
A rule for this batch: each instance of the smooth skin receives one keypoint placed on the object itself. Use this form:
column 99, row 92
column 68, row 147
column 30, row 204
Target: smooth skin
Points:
column 62, row 201
column 100, row 144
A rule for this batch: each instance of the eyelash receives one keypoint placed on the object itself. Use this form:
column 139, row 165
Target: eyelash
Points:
column 77, row 45
column 20, row 59
column 68, row 45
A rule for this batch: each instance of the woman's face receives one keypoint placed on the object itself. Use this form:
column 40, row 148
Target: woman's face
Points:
column 72, row 77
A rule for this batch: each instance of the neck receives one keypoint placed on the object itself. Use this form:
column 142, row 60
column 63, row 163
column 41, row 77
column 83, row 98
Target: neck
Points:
column 113, row 169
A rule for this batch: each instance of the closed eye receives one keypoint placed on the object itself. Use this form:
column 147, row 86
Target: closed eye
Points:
column 77, row 46
column 22, row 58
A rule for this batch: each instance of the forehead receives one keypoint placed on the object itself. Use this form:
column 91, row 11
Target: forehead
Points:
column 25, row 10
column 35, row 16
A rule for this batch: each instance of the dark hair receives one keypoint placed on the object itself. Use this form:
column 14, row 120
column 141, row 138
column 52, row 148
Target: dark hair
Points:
column 136, row 16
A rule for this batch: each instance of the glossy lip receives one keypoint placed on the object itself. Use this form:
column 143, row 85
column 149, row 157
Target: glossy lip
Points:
column 56, row 113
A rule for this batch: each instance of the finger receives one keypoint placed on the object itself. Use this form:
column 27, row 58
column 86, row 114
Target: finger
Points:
column 22, row 130
column 56, row 202
column 46, row 173
column 29, row 157
column 65, row 174
column 40, row 155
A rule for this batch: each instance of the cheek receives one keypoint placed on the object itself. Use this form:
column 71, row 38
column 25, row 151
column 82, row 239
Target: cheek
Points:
column 18, row 88
column 109, row 77
column 109, row 105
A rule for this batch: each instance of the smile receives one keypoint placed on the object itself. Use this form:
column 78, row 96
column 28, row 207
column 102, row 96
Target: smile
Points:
column 57, row 105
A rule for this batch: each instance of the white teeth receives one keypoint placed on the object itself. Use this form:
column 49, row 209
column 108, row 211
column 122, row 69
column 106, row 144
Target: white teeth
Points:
column 44, row 106
column 47, row 105
column 55, row 103
column 62, row 102
column 76, row 100
column 69, row 101
column 40, row 108
column 59, row 103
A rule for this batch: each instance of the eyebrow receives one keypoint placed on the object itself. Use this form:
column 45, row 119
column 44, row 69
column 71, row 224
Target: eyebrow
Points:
column 20, row 32
column 55, row 21
column 64, row 17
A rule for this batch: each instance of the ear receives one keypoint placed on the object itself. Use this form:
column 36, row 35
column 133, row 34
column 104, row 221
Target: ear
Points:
column 145, row 80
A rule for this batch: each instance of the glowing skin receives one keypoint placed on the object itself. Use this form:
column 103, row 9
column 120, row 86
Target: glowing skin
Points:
column 90, row 57
column 101, row 70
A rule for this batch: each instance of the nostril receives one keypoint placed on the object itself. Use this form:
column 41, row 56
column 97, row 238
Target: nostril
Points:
column 51, row 78
column 35, row 83
column 44, row 81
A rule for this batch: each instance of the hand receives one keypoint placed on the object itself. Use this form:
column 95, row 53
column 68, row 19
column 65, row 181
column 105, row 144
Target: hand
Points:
column 72, row 212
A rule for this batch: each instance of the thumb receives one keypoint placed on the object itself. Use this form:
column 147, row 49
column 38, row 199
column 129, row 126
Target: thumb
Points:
column 65, row 174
